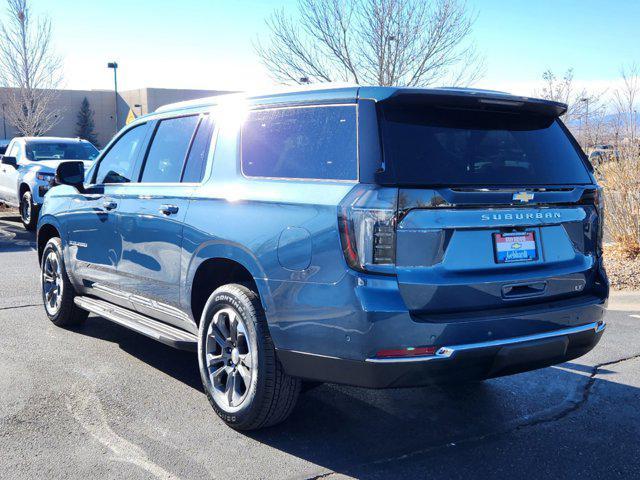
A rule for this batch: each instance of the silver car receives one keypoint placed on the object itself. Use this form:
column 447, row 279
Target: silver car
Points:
column 29, row 165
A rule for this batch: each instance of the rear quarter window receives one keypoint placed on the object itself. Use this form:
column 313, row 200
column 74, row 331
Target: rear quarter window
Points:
column 301, row 142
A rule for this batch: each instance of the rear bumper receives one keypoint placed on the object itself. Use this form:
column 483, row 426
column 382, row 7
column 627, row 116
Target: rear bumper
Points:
column 455, row 363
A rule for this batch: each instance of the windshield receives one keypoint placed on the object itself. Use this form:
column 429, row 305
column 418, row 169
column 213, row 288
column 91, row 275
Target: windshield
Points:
column 437, row 146
column 60, row 151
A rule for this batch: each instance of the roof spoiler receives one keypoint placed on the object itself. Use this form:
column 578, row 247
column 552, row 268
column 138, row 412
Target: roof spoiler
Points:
column 476, row 100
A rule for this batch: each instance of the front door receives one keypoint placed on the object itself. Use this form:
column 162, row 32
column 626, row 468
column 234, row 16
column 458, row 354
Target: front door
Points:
column 9, row 176
column 95, row 245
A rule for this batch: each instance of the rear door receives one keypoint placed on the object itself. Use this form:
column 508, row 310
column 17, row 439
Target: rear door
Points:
column 152, row 212
column 496, row 209
column 95, row 247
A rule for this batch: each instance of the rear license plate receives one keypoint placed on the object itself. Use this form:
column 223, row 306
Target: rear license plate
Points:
column 515, row 247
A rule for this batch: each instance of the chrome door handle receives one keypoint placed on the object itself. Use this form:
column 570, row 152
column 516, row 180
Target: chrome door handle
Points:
column 169, row 209
column 110, row 205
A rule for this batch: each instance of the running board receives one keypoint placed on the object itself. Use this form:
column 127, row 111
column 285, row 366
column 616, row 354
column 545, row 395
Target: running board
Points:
column 172, row 336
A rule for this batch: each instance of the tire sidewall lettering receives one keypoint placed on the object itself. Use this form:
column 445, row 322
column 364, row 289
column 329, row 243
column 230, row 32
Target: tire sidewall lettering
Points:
column 225, row 298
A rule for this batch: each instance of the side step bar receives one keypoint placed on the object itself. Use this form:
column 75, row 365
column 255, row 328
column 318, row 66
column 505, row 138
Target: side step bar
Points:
column 155, row 329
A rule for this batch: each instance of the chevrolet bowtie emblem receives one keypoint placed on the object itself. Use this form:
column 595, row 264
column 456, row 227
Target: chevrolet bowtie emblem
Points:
column 523, row 197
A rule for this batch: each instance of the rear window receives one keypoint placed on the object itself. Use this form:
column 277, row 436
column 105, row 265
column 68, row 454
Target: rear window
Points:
column 168, row 150
column 450, row 147
column 305, row 142
column 197, row 159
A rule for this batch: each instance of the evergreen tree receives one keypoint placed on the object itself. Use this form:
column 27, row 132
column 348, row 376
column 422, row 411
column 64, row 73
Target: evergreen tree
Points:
column 85, row 127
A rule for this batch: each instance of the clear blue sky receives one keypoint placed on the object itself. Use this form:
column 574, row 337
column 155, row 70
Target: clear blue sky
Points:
column 208, row 44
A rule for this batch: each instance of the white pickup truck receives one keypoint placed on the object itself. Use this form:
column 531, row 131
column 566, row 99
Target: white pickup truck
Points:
column 28, row 167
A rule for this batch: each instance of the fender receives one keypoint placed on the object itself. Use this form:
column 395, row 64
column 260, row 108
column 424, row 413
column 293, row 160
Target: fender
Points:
column 53, row 221
column 223, row 249
column 53, row 205
column 27, row 176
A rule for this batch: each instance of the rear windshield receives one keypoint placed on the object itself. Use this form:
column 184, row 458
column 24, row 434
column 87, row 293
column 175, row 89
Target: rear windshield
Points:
column 449, row 147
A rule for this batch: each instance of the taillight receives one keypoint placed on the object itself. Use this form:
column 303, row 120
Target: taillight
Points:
column 595, row 197
column 367, row 219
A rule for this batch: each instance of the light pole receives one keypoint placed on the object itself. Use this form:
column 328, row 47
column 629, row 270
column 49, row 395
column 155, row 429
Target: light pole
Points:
column 114, row 65
column 586, row 121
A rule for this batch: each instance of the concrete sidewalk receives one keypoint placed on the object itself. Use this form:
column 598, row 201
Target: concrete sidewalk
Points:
column 624, row 301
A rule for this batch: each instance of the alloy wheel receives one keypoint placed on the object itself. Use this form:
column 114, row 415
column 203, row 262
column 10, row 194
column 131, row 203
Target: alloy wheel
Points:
column 52, row 283
column 229, row 358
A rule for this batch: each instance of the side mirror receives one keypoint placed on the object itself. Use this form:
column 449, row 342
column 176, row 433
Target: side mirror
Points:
column 11, row 161
column 70, row 173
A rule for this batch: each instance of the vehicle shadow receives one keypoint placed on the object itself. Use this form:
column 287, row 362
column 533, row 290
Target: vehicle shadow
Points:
column 14, row 237
column 179, row 364
column 363, row 432
column 449, row 431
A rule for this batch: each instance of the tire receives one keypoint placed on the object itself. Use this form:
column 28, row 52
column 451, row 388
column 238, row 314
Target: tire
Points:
column 28, row 211
column 241, row 374
column 57, row 291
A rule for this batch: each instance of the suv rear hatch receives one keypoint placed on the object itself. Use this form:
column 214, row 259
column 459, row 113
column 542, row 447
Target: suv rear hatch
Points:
column 496, row 207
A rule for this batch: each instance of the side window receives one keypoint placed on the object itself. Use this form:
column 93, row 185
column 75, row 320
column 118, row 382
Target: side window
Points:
column 118, row 163
column 16, row 151
column 301, row 142
column 197, row 159
column 168, row 150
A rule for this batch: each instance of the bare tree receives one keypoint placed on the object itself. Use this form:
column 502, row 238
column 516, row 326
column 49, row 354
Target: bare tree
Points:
column 377, row 42
column 586, row 110
column 30, row 68
column 621, row 177
column 626, row 100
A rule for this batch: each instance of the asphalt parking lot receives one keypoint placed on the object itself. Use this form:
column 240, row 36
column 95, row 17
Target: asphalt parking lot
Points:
column 103, row 402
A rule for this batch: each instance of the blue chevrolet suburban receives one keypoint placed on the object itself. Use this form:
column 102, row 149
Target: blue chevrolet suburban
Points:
column 370, row 236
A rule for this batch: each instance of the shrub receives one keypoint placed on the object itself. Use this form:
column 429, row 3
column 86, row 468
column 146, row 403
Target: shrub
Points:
column 621, row 180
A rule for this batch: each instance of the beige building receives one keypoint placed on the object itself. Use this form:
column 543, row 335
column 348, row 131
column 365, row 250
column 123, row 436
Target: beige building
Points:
column 102, row 102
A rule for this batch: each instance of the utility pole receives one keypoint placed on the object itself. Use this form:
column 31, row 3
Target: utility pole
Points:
column 114, row 65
